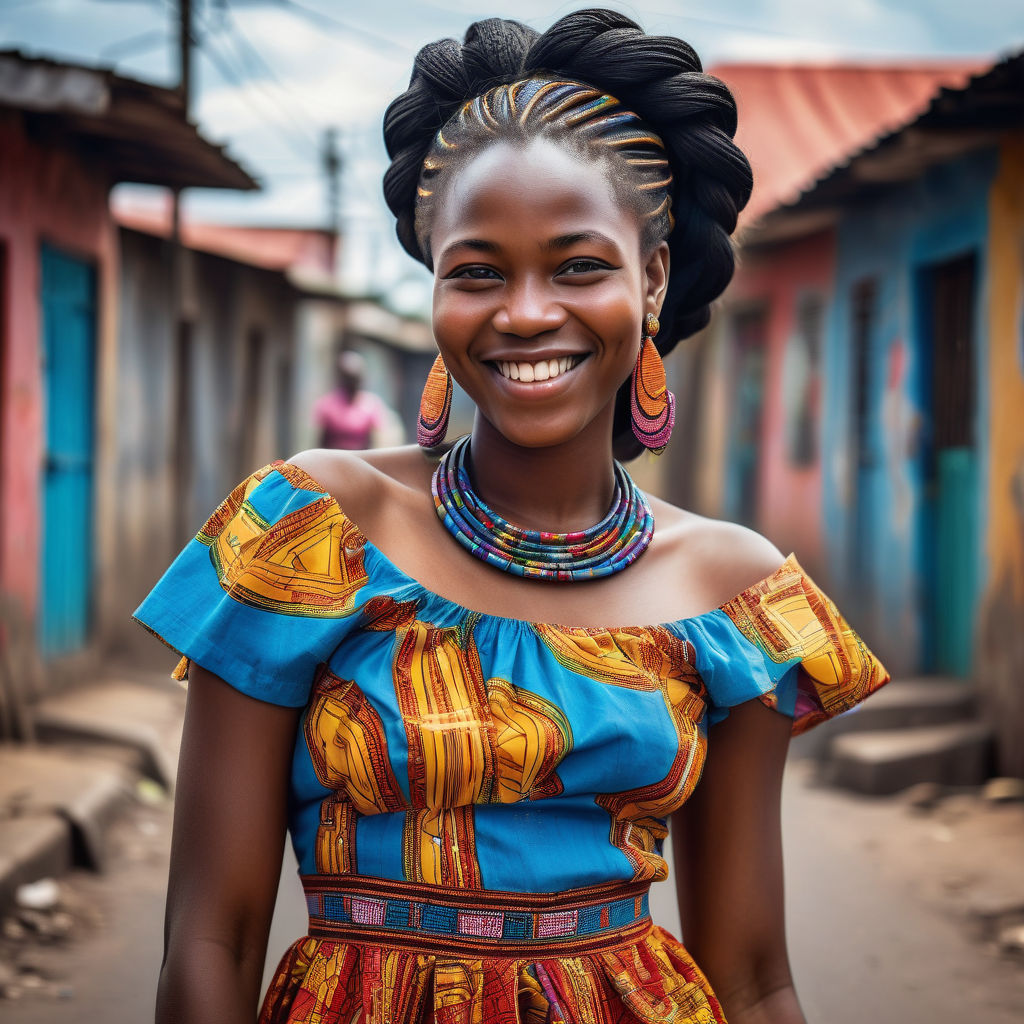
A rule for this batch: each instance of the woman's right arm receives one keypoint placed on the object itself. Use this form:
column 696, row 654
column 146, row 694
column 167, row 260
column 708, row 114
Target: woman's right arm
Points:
column 230, row 818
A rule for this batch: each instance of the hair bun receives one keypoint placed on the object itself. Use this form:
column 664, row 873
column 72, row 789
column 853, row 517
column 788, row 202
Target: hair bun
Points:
column 494, row 51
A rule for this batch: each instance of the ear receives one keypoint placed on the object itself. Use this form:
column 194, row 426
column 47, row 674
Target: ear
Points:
column 656, row 278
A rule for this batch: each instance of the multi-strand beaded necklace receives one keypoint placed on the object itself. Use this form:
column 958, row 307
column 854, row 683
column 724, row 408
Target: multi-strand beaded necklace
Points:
column 608, row 547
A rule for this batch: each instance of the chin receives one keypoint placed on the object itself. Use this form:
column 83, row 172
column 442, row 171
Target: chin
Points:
column 527, row 433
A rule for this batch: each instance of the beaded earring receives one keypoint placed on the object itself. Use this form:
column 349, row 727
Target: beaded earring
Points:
column 435, row 406
column 652, row 405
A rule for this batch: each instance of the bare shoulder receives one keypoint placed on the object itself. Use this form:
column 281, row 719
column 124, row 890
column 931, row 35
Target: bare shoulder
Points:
column 721, row 558
column 357, row 479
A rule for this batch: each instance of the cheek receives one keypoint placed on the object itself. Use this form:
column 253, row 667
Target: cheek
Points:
column 456, row 318
column 613, row 313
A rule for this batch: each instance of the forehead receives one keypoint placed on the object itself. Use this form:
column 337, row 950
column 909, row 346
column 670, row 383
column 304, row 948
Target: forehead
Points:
column 540, row 188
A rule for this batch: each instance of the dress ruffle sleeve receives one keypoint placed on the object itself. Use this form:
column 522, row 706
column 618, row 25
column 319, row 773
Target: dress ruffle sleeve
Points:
column 266, row 590
column 783, row 641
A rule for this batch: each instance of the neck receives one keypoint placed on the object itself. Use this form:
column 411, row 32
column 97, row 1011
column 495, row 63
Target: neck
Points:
column 562, row 488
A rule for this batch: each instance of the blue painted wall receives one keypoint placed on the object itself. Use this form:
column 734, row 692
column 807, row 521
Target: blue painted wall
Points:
column 891, row 238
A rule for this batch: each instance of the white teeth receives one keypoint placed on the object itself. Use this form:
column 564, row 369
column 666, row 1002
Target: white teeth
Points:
column 545, row 369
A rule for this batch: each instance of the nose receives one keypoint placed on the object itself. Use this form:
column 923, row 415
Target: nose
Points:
column 529, row 309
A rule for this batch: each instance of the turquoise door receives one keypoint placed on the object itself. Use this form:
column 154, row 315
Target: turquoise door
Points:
column 743, row 466
column 866, row 464
column 69, row 342
column 948, row 534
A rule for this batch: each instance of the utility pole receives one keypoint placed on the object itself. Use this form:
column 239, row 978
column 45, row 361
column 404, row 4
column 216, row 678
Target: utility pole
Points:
column 181, row 445
column 185, row 53
column 333, row 164
column 185, row 91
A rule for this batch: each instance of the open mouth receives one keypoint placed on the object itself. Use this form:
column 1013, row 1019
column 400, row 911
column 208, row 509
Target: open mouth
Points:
column 543, row 369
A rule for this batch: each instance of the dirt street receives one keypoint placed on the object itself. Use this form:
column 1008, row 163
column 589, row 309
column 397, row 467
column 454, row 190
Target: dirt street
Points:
column 878, row 897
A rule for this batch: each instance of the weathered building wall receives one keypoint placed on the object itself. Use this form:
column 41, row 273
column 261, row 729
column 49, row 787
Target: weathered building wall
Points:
column 779, row 282
column 1000, row 663
column 232, row 411
column 878, row 365
column 47, row 196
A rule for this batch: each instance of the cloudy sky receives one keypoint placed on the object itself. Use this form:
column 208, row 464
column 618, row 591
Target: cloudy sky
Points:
column 273, row 75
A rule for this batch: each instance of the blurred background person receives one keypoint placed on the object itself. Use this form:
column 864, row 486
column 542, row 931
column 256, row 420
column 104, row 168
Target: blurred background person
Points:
column 350, row 417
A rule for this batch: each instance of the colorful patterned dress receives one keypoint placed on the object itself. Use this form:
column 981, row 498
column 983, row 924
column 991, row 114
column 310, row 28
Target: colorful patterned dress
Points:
column 478, row 803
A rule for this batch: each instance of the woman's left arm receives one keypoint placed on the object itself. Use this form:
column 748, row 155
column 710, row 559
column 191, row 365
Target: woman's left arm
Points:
column 728, row 862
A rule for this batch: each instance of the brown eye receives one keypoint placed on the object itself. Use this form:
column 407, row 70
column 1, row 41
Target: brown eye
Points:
column 475, row 273
column 583, row 267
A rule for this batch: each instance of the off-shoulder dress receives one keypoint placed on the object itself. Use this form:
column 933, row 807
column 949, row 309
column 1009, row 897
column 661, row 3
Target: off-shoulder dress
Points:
column 478, row 803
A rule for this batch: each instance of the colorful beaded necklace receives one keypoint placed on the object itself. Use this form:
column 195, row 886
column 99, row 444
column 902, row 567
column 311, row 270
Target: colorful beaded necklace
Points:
column 614, row 543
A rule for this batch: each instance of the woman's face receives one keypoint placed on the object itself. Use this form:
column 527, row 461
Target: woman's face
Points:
column 540, row 291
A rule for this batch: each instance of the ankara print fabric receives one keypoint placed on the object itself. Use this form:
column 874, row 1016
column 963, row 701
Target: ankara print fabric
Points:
column 448, row 751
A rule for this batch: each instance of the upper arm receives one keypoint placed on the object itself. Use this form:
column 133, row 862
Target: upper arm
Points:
column 229, row 820
column 728, row 857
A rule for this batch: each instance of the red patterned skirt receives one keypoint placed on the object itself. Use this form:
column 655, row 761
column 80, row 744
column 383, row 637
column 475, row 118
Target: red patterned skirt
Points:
column 386, row 952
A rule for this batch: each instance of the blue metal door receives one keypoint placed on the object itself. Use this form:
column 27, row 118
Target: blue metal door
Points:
column 948, row 537
column 743, row 467
column 69, row 342
column 867, row 463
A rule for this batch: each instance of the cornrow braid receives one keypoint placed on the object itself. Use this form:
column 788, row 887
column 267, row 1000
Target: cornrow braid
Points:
column 582, row 116
column 656, row 80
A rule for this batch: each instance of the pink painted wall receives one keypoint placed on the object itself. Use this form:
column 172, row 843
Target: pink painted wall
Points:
column 789, row 497
column 54, row 195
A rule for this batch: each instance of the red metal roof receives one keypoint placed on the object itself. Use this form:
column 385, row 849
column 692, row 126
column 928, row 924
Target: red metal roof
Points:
column 272, row 248
column 798, row 121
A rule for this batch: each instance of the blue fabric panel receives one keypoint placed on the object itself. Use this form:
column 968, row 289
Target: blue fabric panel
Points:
column 733, row 669
column 514, row 844
column 262, row 653
column 379, row 845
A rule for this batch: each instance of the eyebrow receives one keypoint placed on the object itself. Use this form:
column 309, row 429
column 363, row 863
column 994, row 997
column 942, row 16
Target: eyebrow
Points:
column 575, row 237
column 475, row 244
column 553, row 244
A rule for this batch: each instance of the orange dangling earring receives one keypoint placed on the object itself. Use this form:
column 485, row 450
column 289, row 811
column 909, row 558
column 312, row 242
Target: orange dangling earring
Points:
column 652, row 405
column 435, row 406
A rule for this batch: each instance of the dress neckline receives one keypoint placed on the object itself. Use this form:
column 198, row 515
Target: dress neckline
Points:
column 408, row 582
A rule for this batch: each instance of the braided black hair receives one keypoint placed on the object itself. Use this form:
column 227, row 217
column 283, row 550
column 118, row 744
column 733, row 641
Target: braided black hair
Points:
column 659, row 78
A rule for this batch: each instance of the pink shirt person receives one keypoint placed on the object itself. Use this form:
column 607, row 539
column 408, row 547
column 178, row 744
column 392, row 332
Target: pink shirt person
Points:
column 347, row 416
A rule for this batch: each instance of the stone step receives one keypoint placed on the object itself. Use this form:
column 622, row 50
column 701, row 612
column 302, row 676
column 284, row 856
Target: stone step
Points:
column 888, row 760
column 904, row 703
column 901, row 704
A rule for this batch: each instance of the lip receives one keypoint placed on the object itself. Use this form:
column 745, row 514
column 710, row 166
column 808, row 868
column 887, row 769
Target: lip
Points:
column 535, row 355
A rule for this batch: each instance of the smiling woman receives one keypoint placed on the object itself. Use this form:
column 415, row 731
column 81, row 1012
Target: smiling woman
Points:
column 476, row 681
column 534, row 242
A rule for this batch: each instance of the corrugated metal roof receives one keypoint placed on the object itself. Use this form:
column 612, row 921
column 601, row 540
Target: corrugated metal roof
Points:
column 956, row 120
column 137, row 130
column 798, row 121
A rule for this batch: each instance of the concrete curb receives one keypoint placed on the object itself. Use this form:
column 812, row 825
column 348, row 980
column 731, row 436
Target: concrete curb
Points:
column 33, row 847
column 58, row 799
column 56, row 808
column 143, row 718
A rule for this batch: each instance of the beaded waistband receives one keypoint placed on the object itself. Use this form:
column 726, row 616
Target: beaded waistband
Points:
column 357, row 908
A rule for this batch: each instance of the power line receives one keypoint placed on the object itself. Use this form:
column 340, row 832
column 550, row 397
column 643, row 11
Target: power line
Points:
column 141, row 43
column 299, row 145
column 252, row 57
column 336, row 25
